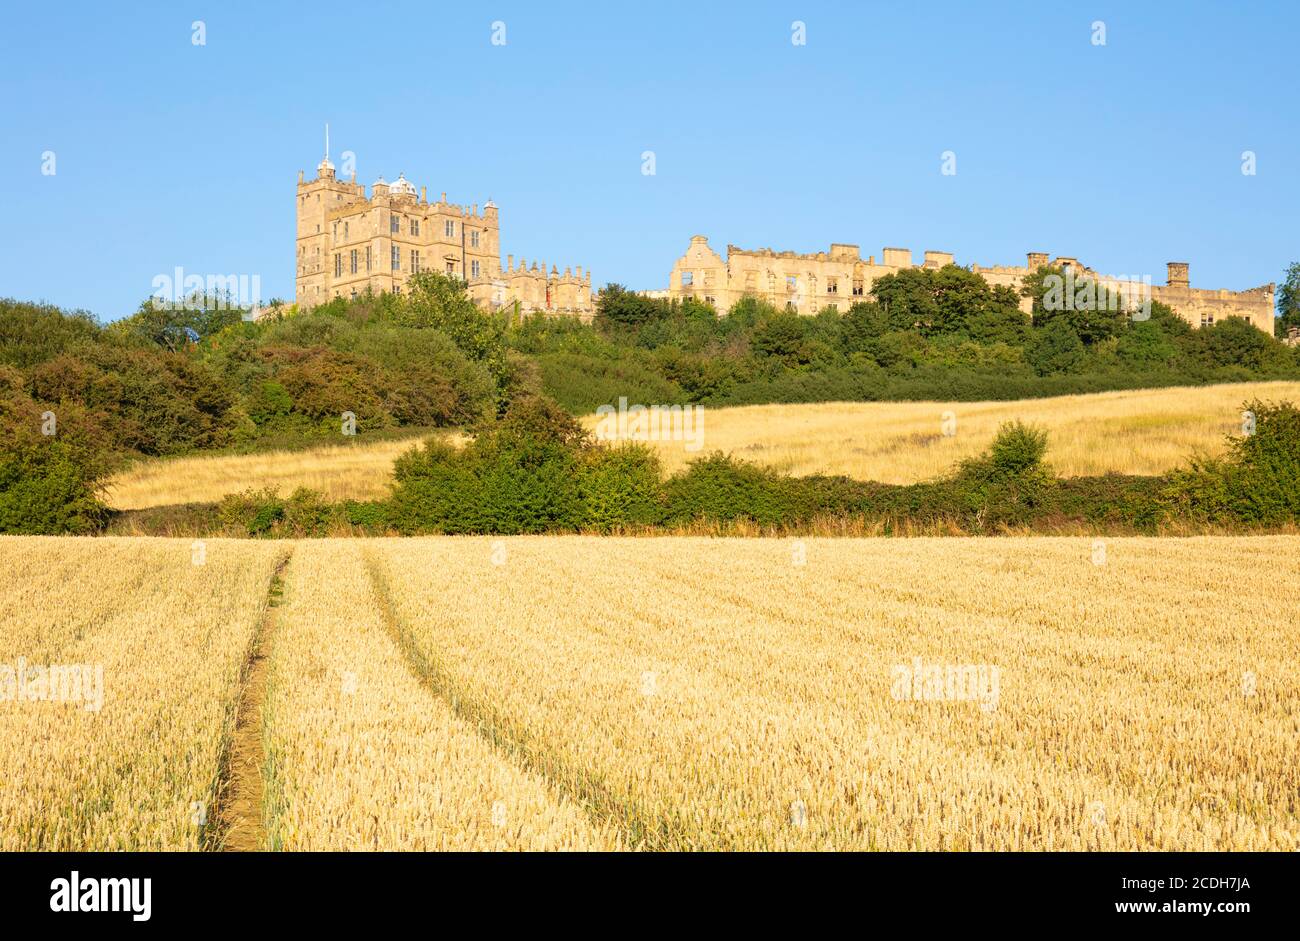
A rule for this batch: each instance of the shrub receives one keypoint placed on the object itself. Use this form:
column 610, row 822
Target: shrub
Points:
column 1257, row 482
column 1007, row 485
column 251, row 512
column 46, row 489
column 47, row 482
column 520, row 475
column 721, row 488
column 620, row 487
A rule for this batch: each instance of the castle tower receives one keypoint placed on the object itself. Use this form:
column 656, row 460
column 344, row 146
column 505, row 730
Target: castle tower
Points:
column 315, row 199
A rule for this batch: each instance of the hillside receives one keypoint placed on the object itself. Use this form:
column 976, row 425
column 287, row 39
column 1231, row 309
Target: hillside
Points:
column 1146, row 432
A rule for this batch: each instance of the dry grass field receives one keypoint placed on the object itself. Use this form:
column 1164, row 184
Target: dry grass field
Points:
column 1146, row 431
column 1140, row 432
column 357, row 471
column 675, row 693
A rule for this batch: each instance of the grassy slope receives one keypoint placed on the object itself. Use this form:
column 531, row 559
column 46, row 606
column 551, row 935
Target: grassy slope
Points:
column 1138, row 432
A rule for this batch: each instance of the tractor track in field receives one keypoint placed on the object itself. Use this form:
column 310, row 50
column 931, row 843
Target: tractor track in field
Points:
column 639, row 828
column 239, row 820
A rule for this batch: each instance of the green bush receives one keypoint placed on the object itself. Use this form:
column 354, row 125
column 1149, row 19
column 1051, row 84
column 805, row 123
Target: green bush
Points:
column 48, row 481
column 46, row 489
column 620, row 487
column 721, row 488
column 1257, row 482
column 251, row 512
column 519, row 475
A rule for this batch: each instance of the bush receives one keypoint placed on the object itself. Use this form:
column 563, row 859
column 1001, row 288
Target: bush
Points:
column 46, row 490
column 721, row 488
column 251, row 512
column 47, row 481
column 1258, row 482
column 620, row 487
column 520, row 475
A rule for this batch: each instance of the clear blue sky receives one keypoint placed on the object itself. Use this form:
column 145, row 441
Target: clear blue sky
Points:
column 1126, row 156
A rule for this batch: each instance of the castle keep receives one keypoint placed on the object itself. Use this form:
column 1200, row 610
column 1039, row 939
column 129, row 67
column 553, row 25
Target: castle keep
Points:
column 840, row 277
column 348, row 244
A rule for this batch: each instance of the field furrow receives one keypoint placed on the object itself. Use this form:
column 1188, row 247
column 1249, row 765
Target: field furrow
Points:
column 364, row 756
column 123, row 750
column 731, row 698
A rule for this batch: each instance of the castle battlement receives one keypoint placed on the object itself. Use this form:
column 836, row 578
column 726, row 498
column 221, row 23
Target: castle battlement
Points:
column 839, row 277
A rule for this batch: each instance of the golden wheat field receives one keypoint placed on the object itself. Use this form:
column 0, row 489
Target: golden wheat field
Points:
column 668, row 693
column 1144, row 431
column 341, row 472
column 128, row 757
column 1140, row 432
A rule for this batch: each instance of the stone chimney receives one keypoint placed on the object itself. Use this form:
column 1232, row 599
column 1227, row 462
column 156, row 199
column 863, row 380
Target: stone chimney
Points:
column 1177, row 276
column 1037, row 260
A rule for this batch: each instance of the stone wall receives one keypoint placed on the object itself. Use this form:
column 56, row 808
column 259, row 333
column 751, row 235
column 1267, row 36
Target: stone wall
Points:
column 840, row 277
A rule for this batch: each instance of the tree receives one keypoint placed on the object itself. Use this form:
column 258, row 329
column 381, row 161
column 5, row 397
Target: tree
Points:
column 1087, row 308
column 175, row 326
column 1288, row 302
column 782, row 336
column 1055, row 348
column 435, row 301
column 1234, row 342
column 616, row 307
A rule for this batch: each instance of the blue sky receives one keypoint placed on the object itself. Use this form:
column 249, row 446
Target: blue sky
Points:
column 1126, row 155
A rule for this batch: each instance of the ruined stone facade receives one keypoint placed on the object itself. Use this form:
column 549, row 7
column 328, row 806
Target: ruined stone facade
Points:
column 840, row 277
column 348, row 243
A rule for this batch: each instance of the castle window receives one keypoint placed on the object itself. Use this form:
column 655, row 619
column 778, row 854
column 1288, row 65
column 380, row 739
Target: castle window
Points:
column 353, row 261
column 397, row 258
column 791, row 282
column 345, row 231
column 473, row 266
column 449, row 227
column 688, row 278
column 394, row 225
column 473, row 238
column 832, row 285
column 338, row 264
column 415, row 262
column 415, row 226
column 1207, row 319
column 367, row 257
column 451, row 267
column 857, row 287
column 336, row 231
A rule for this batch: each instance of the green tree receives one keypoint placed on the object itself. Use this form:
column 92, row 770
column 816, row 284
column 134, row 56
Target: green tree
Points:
column 436, row 301
column 1288, row 302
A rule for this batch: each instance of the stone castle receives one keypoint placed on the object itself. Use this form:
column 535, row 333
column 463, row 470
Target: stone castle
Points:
column 840, row 277
column 348, row 244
